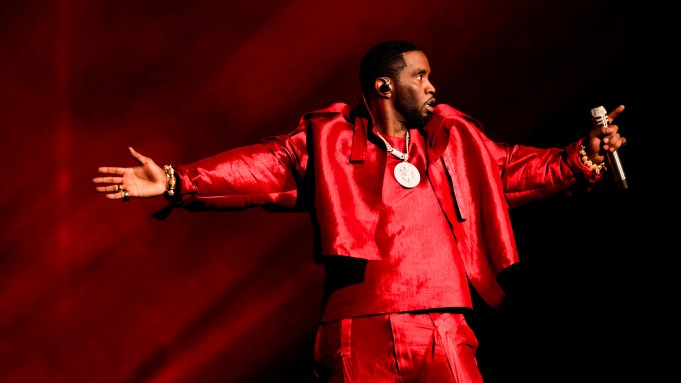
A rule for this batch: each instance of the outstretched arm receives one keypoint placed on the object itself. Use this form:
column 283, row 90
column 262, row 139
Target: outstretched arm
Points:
column 145, row 180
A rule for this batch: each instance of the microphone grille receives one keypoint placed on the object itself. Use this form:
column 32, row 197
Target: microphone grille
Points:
column 599, row 116
column 598, row 112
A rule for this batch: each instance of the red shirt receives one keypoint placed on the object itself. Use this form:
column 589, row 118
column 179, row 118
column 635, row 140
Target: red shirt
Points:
column 419, row 266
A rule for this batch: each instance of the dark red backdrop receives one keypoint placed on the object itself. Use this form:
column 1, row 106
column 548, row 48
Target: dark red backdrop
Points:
column 98, row 291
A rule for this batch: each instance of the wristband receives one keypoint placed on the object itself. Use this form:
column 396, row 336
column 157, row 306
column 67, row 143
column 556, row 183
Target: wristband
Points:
column 170, row 174
column 590, row 164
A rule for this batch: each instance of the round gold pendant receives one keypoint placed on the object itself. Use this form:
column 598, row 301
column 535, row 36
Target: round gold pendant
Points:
column 407, row 174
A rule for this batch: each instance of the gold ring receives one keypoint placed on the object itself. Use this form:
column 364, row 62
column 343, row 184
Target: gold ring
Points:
column 126, row 196
column 119, row 187
column 624, row 141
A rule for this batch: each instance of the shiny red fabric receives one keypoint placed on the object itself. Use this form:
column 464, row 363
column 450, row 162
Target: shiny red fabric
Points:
column 420, row 267
column 321, row 168
column 399, row 347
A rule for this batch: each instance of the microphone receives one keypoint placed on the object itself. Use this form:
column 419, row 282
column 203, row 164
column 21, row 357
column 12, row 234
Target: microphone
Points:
column 600, row 119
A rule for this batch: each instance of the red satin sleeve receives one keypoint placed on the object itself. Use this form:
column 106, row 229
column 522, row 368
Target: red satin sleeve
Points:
column 265, row 174
column 530, row 173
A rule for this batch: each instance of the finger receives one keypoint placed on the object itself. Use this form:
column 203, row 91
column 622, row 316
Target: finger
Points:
column 118, row 195
column 115, row 188
column 612, row 142
column 618, row 143
column 104, row 189
column 609, row 130
column 615, row 112
column 107, row 180
column 111, row 170
column 138, row 157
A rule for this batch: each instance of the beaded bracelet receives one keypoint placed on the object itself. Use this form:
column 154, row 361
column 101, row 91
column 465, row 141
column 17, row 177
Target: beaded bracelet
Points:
column 170, row 173
column 590, row 164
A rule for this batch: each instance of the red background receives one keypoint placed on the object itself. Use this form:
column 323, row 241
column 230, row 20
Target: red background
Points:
column 93, row 290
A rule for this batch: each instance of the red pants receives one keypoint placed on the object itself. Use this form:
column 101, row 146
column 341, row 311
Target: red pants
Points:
column 400, row 348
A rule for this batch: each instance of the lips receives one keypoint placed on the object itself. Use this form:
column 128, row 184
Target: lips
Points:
column 429, row 105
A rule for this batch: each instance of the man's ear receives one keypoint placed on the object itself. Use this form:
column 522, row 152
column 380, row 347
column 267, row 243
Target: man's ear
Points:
column 383, row 85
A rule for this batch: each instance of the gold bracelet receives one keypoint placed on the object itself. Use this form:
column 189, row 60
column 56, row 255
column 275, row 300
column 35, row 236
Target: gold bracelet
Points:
column 170, row 173
column 590, row 164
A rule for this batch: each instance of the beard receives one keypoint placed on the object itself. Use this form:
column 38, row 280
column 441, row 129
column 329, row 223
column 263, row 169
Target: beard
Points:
column 411, row 111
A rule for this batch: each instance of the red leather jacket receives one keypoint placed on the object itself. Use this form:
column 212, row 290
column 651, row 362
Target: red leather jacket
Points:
column 318, row 168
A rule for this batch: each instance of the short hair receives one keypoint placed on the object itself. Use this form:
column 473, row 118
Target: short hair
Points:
column 383, row 60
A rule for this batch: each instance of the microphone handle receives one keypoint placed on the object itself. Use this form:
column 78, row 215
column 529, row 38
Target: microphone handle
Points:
column 617, row 170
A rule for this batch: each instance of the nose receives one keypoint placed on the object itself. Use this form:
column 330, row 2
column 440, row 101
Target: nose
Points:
column 430, row 89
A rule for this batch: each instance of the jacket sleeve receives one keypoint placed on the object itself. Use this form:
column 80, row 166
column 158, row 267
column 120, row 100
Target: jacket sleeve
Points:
column 530, row 173
column 268, row 174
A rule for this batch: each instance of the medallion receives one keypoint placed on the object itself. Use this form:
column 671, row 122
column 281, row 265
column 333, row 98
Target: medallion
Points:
column 407, row 174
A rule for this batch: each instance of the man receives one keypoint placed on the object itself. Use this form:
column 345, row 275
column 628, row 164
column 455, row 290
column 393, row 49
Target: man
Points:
column 409, row 203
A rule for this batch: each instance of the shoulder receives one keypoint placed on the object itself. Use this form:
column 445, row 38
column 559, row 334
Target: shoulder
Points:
column 444, row 114
column 332, row 111
column 447, row 110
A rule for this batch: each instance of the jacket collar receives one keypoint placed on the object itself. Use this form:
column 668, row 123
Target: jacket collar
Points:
column 363, row 122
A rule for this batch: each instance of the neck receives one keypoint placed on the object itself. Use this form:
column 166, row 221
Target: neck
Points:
column 387, row 120
column 388, row 124
column 390, row 130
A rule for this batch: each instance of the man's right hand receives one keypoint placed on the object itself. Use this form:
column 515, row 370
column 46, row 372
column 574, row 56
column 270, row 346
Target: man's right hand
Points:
column 145, row 180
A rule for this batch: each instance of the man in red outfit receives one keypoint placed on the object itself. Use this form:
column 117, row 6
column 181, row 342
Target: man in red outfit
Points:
column 409, row 202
